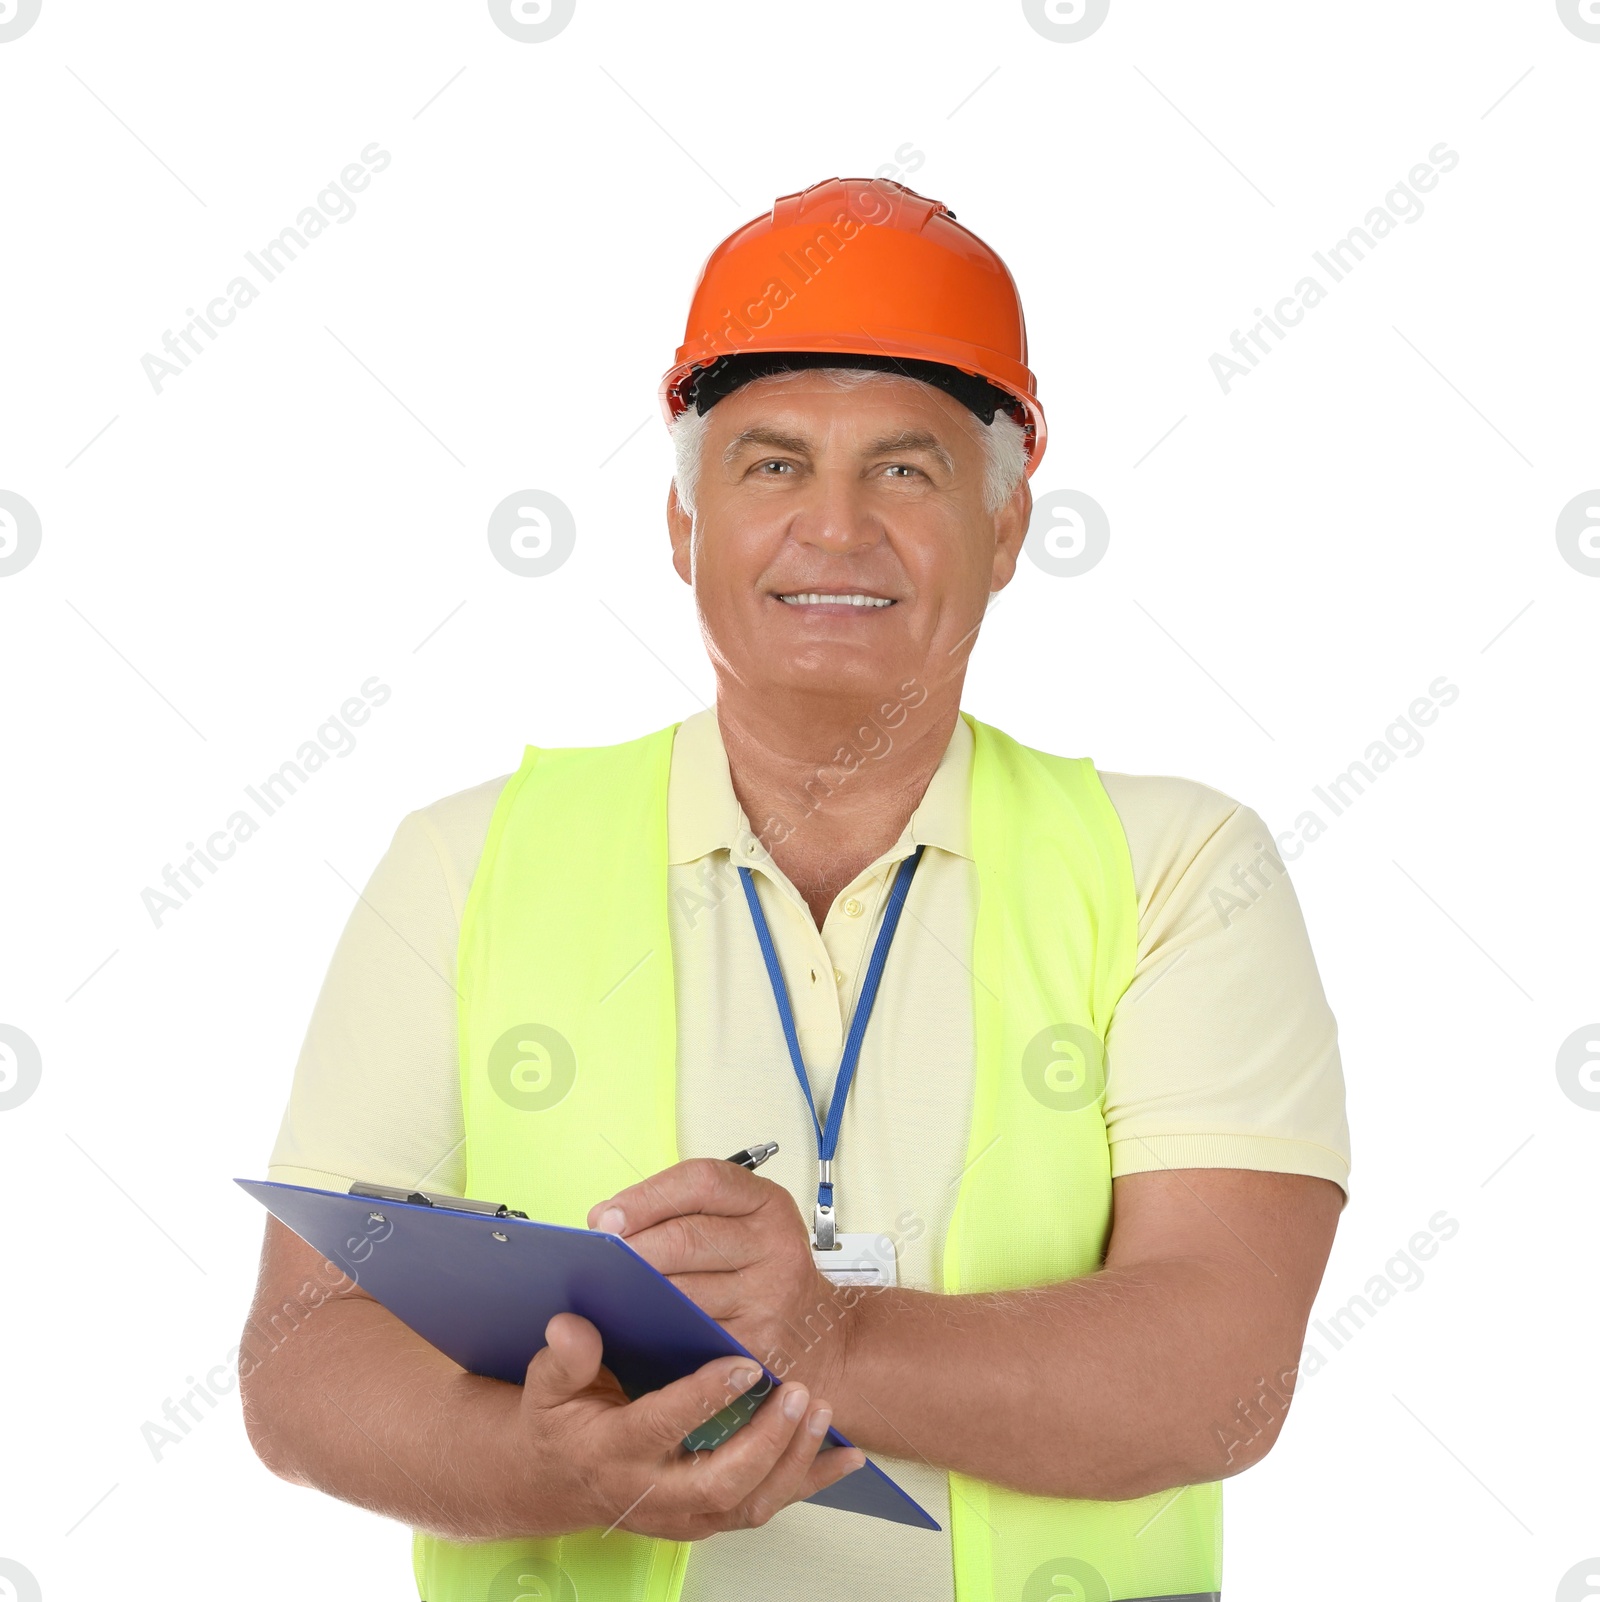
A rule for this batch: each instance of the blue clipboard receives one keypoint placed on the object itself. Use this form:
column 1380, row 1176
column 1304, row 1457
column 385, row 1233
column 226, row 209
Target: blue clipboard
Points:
column 481, row 1286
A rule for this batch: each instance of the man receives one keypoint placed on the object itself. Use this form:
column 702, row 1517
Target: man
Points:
column 1095, row 1131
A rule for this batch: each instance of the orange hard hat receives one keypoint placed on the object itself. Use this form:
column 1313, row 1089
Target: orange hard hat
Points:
column 865, row 268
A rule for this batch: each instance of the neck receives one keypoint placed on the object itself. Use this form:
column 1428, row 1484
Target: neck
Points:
column 828, row 784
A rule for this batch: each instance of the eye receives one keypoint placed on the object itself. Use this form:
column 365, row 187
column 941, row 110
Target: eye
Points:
column 774, row 468
column 903, row 468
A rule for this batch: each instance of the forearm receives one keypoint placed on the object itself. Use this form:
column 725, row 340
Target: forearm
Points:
column 351, row 1402
column 1108, row 1387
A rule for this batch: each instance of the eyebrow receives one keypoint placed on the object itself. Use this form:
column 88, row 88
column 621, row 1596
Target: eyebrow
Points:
column 912, row 439
column 908, row 439
column 773, row 437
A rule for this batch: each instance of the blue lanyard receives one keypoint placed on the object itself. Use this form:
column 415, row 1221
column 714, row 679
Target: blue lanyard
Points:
column 828, row 1138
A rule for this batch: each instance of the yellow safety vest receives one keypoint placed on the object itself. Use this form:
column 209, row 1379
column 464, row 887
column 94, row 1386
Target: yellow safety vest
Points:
column 565, row 944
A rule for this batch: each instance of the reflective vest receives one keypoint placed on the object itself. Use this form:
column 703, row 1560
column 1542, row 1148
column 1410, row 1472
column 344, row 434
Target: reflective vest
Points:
column 568, row 1040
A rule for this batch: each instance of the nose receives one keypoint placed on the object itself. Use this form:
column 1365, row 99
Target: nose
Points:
column 836, row 516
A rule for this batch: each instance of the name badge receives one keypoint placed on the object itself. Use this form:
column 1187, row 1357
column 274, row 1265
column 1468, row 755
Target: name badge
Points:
column 859, row 1260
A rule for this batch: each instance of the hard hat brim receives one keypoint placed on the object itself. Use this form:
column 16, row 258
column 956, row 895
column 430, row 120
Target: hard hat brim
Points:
column 677, row 385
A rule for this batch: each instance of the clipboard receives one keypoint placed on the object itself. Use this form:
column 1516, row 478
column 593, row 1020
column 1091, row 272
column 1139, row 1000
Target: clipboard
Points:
column 480, row 1282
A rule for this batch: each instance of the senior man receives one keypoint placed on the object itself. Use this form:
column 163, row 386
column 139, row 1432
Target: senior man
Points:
column 1048, row 1043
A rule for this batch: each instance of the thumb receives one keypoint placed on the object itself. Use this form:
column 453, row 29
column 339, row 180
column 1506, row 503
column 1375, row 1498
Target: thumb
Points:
column 567, row 1364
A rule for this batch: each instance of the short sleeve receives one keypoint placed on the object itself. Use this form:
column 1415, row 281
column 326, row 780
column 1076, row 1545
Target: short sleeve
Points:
column 376, row 1091
column 1223, row 1052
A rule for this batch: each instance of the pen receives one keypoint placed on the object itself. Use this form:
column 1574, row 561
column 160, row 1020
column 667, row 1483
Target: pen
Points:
column 741, row 1409
column 754, row 1156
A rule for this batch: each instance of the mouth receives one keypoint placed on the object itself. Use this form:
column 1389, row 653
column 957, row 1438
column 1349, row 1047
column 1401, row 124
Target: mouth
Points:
column 835, row 600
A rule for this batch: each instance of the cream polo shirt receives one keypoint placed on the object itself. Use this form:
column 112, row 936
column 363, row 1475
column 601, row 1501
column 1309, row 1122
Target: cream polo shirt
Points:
column 1222, row 1053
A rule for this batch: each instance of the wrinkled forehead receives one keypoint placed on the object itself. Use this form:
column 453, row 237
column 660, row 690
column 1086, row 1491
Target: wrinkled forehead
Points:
column 846, row 408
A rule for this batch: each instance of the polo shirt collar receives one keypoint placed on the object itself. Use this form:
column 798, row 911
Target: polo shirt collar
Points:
column 704, row 815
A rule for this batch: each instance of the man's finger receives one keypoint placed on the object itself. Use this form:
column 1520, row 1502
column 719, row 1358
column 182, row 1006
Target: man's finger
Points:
column 830, row 1465
column 718, row 1296
column 724, row 1479
column 801, row 1471
column 697, row 1243
column 567, row 1364
column 662, row 1418
column 697, row 1185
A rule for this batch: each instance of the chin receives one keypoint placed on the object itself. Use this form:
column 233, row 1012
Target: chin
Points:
column 834, row 679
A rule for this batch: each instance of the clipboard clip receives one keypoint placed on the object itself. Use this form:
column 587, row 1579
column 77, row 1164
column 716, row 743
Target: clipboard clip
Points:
column 426, row 1198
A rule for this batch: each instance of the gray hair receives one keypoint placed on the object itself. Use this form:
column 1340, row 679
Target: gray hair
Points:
column 1004, row 443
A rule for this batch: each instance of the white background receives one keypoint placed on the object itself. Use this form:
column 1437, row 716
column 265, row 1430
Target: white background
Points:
column 224, row 563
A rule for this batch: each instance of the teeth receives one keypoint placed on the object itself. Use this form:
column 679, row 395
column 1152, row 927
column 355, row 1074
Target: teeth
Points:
column 816, row 598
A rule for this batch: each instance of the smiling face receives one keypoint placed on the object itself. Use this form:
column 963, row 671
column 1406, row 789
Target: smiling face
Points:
column 874, row 491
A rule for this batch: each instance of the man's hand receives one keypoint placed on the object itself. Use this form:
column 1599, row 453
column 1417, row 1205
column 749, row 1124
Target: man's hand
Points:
column 473, row 1459
column 736, row 1245
column 1207, row 1286
column 615, row 1463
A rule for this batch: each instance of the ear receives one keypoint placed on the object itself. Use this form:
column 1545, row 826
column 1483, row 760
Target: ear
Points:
column 1010, row 531
column 680, row 526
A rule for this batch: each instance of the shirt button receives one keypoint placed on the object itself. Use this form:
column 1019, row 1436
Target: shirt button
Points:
column 838, row 978
column 853, row 908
